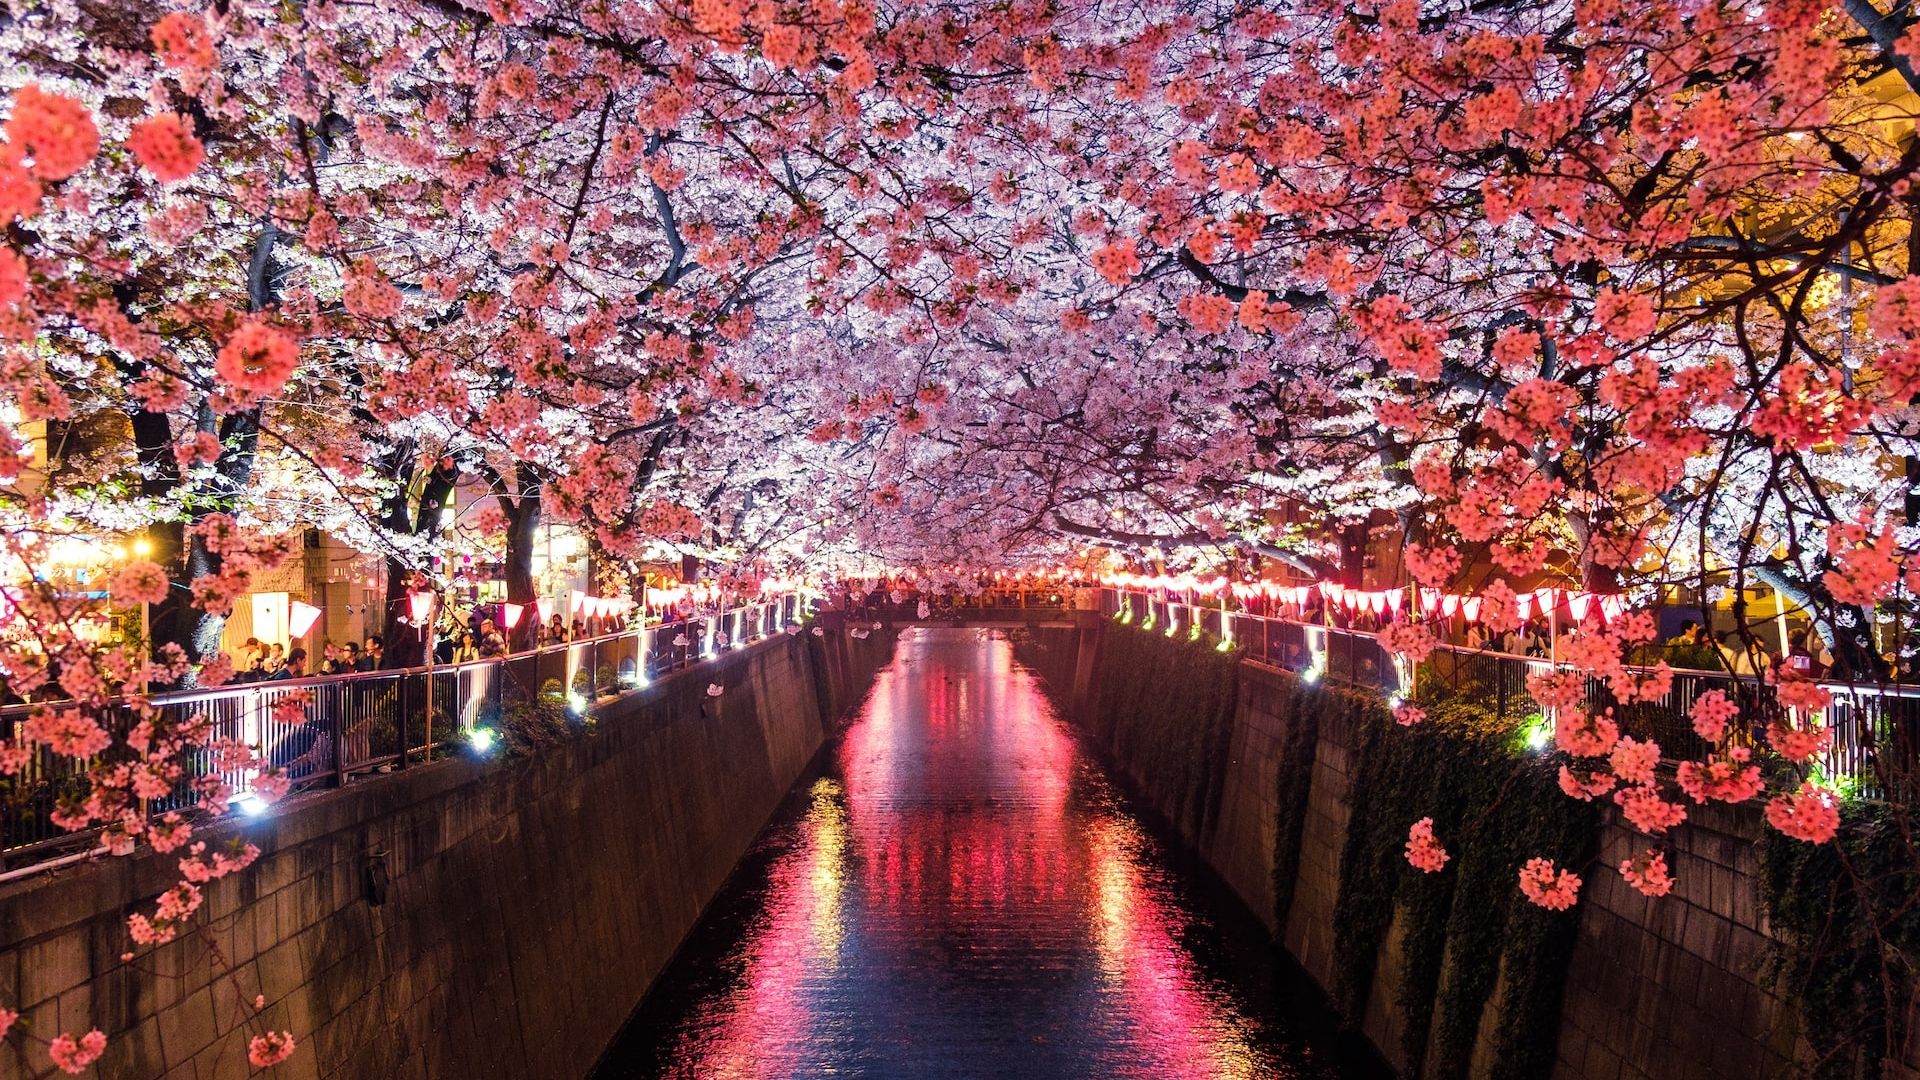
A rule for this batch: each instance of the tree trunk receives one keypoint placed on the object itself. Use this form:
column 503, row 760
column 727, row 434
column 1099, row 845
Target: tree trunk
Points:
column 406, row 645
column 523, row 532
column 1353, row 554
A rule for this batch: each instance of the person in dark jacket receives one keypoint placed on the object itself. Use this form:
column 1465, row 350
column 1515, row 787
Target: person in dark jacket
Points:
column 294, row 668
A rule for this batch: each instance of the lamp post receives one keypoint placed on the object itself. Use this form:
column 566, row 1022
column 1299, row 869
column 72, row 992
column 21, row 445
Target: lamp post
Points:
column 420, row 606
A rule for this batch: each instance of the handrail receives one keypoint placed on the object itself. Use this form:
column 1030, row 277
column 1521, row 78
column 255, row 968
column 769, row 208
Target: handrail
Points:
column 174, row 697
column 1876, row 726
column 357, row 722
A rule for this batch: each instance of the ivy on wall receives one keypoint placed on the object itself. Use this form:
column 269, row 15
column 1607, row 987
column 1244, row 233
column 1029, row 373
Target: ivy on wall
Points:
column 1163, row 711
column 1845, row 918
column 1299, row 710
column 1167, row 706
column 1479, row 971
column 1462, row 929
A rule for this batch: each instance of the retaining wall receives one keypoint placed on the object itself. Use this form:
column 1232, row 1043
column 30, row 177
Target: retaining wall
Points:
column 1655, row 988
column 461, row 919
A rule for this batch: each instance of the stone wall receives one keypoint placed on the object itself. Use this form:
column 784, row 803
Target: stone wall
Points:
column 1655, row 989
column 1675, row 984
column 464, row 918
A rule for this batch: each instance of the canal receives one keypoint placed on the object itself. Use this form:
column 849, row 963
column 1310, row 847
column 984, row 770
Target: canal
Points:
column 962, row 892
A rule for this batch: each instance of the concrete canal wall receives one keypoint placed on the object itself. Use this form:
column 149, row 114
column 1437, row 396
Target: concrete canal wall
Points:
column 466, row 918
column 1260, row 784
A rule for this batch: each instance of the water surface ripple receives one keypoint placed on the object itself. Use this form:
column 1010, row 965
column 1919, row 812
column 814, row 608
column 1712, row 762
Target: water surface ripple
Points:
column 963, row 893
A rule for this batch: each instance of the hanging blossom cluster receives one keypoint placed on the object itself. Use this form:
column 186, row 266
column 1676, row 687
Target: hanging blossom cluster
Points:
column 1423, row 851
column 1601, row 762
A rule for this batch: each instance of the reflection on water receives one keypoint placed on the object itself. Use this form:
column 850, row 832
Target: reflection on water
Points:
column 963, row 894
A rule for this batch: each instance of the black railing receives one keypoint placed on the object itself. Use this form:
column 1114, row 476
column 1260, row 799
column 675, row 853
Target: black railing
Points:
column 1876, row 728
column 329, row 729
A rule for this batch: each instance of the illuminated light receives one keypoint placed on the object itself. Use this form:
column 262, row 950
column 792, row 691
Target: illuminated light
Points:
column 576, row 703
column 420, row 604
column 250, row 804
column 143, row 547
column 481, row 739
column 1538, row 733
column 510, row 614
column 544, row 606
column 300, row 618
column 1579, row 603
column 1311, row 675
column 1226, row 645
column 575, row 601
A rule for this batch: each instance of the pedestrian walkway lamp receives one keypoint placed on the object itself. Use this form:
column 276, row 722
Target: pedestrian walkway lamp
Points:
column 420, row 606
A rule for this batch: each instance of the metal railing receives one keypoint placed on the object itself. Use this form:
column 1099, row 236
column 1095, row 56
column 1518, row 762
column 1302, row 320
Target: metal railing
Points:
column 326, row 730
column 1876, row 727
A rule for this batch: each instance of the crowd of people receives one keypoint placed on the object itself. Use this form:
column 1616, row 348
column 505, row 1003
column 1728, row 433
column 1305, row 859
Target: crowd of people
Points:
column 472, row 636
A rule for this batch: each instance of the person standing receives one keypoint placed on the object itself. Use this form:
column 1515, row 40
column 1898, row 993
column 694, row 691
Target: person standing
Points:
column 465, row 651
column 294, row 668
column 491, row 642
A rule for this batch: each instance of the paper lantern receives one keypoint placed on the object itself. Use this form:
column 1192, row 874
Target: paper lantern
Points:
column 544, row 606
column 575, row 601
column 510, row 614
column 1396, row 597
column 1578, row 603
column 1429, row 600
column 1470, row 607
column 1524, row 604
column 1449, row 604
column 421, row 606
column 1377, row 602
column 300, row 618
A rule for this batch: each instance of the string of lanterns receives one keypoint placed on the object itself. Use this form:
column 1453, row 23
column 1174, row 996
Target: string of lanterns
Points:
column 1545, row 602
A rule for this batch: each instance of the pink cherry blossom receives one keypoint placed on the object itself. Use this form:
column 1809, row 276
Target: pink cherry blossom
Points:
column 1811, row 814
column 266, row 1051
column 166, row 145
column 1711, row 712
column 1647, row 873
column 1423, row 851
column 73, row 1055
column 1549, row 886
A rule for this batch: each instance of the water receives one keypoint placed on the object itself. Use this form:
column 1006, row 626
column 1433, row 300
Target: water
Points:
column 963, row 893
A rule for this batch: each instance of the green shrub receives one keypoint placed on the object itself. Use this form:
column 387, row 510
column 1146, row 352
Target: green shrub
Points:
column 1845, row 918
